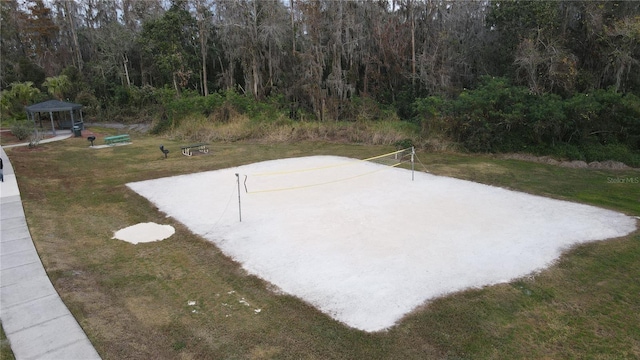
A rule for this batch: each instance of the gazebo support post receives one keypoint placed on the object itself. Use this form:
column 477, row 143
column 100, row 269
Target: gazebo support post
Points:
column 32, row 118
column 53, row 128
column 73, row 123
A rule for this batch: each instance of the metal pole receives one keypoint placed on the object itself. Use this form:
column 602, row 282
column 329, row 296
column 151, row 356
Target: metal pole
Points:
column 413, row 152
column 239, row 204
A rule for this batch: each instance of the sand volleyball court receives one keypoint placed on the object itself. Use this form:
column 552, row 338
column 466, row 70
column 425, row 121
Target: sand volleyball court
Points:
column 364, row 243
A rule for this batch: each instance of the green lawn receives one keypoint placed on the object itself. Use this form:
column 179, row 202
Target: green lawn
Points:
column 5, row 349
column 132, row 300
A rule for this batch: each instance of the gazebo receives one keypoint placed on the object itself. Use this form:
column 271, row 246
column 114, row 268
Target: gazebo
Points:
column 52, row 106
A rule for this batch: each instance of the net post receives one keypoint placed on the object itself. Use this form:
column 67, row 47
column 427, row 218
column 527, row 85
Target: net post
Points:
column 239, row 203
column 413, row 153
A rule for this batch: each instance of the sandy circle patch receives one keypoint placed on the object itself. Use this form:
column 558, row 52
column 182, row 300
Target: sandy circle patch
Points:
column 144, row 233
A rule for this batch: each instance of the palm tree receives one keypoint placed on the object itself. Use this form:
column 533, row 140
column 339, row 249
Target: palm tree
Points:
column 14, row 100
column 57, row 86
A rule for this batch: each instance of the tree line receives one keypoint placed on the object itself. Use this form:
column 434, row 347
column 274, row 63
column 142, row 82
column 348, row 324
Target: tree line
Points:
column 319, row 56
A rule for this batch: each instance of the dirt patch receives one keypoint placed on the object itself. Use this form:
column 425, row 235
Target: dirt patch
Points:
column 7, row 138
column 574, row 164
column 609, row 164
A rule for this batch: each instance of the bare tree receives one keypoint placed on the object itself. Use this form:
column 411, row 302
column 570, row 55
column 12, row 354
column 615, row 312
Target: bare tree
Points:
column 624, row 45
column 115, row 42
column 546, row 65
column 41, row 35
column 204, row 20
column 273, row 34
column 68, row 11
column 253, row 35
column 528, row 59
column 312, row 57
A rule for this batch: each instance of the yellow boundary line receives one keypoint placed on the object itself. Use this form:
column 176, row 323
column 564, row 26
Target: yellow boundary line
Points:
column 324, row 183
column 328, row 166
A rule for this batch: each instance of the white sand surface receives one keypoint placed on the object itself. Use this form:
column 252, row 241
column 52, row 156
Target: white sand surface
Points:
column 364, row 243
column 144, row 233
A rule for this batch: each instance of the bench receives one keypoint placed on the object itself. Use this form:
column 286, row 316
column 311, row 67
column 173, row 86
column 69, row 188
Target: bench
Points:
column 112, row 140
column 69, row 125
column 187, row 149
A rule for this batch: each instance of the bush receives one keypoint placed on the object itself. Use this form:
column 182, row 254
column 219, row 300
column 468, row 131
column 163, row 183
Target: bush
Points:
column 617, row 152
column 89, row 101
column 22, row 129
column 500, row 117
column 163, row 125
column 403, row 144
column 561, row 151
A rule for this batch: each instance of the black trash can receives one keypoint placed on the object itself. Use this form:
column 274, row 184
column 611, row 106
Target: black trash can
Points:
column 77, row 131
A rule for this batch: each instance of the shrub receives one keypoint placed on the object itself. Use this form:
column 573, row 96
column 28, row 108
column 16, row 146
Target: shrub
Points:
column 617, row 152
column 500, row 117
column 163, row 125
column 35, row 139
column 560, row 151
column 403, row 144
column 91, row 104
column 21, row 129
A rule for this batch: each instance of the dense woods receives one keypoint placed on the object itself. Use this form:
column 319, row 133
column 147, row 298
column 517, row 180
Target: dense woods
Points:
column 488, row 75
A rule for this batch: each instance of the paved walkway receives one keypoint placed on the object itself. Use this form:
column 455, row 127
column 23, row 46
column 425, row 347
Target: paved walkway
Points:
column 60, row 135
column 35, row 320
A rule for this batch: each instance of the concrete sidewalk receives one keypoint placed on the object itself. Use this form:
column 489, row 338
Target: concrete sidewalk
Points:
column 35, row 320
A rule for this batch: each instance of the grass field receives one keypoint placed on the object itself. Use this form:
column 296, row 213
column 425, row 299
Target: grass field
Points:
column 132, row 301
column 5, row 349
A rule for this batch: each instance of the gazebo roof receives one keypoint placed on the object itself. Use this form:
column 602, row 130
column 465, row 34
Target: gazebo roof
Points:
column 52, row 106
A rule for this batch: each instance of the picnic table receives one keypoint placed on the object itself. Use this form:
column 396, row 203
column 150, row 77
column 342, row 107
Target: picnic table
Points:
column 112, row 140
column 187, row 150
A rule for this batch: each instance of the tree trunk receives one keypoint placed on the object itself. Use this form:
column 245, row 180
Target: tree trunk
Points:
column 125, row 61
column 413, row 47
column 202, row 29
column 293, row 29
column 175, row 83
column 203, row 51
column 256, row 76
column 76, row 45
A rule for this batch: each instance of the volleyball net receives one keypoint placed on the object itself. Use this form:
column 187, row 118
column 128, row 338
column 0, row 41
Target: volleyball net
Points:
column 300, row 178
